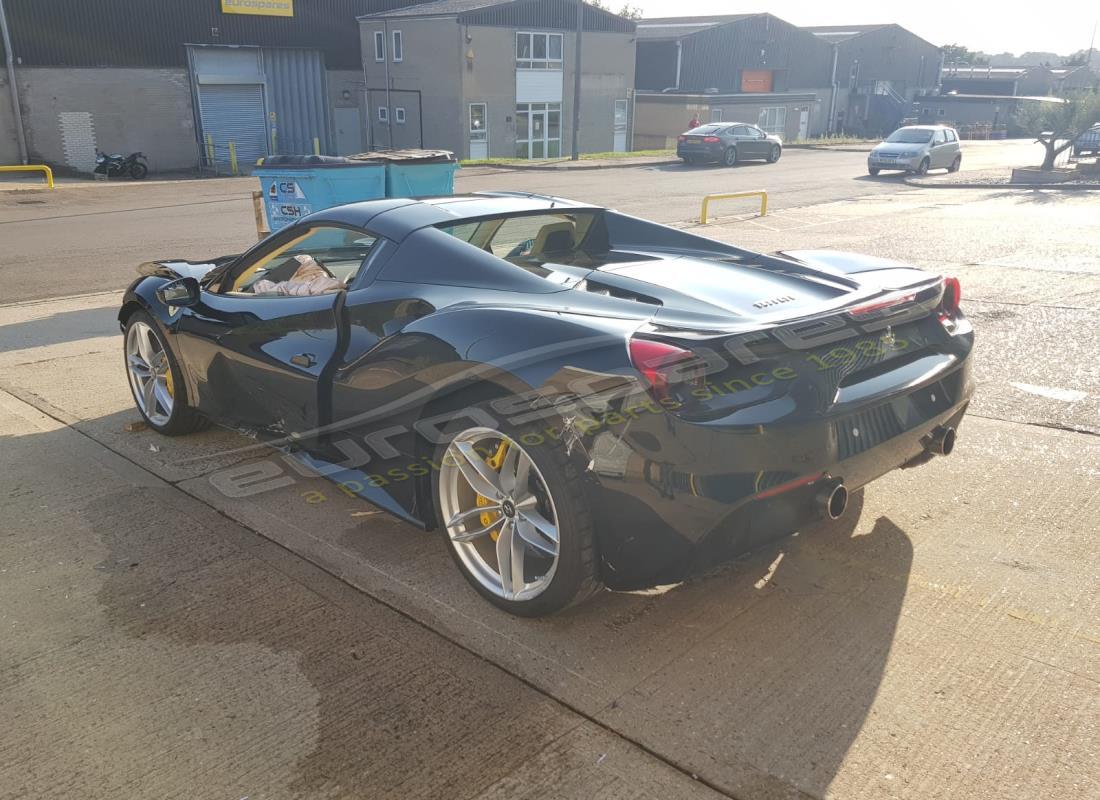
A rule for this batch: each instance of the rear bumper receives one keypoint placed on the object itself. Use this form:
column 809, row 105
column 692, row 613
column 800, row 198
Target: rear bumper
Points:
column 723, row 492
column 701, row 152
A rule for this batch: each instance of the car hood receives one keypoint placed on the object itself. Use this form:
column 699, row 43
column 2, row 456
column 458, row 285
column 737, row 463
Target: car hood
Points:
column 896, row 146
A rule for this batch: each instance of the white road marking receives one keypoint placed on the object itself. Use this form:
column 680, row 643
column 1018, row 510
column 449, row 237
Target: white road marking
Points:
column 1053, row 392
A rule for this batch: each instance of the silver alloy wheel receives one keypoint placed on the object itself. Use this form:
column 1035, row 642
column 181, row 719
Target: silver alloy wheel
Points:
column 149, row 371
column 520, row 562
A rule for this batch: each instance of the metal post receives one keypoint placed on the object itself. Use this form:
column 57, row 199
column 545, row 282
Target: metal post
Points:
column 233, row 157
column 576, row 152
column 386, row 52
column 316, row 146
column 210, row 151
column 16, row 111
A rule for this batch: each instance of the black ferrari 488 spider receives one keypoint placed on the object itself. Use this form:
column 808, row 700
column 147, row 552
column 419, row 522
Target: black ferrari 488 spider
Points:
column 575, row 397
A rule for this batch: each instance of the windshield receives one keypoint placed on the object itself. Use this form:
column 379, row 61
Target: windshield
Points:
column 910, row 136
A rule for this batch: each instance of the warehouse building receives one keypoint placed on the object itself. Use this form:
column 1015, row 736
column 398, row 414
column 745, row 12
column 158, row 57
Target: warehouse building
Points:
column 486, row 78
column 180, row 79
column 740, row 67
column 882, row 69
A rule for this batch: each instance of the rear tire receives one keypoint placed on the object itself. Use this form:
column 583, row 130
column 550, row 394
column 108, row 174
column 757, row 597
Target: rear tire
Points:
column 955, row 164
column 554, row 489
column 138, row 171
column 729, row 158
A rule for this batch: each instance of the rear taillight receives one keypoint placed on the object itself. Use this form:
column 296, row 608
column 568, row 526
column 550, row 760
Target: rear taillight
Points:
column 660, row 364
column 952, row 295
column 711, row 139
column 682, row 139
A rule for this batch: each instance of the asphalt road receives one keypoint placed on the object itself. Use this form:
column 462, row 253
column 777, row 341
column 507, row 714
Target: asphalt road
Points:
column 86, row 237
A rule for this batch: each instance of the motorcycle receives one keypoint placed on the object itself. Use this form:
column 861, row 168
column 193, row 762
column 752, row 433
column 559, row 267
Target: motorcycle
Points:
column 135, row 165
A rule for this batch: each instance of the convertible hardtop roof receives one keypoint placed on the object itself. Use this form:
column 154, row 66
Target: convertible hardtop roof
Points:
column 395, row 218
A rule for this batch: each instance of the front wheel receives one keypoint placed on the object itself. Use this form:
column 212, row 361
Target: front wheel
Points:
column 774, row 154
column 155, row 379
column 729, row 158
column 138, row 171
column 515, row 516
column 922, row 168
column 873, row 170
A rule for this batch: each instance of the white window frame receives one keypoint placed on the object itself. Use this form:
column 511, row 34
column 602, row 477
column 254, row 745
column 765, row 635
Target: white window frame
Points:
column 533, row 63
column 379, row 46
column 398, row 47
column 383, row 114
column 483, row 133
column 399, row 115
column 715, row 116
column 773, row 120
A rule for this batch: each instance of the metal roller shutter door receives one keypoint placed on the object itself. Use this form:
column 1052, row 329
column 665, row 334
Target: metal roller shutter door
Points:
column 234, row 112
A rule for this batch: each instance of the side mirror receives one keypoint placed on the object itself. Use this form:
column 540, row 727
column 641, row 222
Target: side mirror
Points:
column 183, row 293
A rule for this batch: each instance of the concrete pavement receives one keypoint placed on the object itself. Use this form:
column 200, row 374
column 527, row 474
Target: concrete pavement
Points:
column 941, row 643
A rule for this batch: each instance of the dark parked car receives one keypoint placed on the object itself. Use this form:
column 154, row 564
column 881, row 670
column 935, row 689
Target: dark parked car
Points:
column 727, row 143
column 574, row 397
column 1088, row 142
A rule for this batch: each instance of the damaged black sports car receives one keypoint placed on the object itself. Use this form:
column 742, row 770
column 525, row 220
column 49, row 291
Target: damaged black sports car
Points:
column 575, row 397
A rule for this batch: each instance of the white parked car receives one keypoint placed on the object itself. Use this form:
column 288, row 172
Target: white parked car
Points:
column 917, row 148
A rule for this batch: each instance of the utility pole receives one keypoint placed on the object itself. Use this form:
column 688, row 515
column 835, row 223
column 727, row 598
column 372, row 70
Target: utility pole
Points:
column 577, row 84
column 16, row 111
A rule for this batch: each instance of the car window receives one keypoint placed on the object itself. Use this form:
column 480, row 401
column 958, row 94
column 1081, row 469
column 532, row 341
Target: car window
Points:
column 529, row 240
column 939, row 138
column 743, row 130
column 951, row 137
column 321, row 259
column 909, row 136
column 759, row 134
column 706, row 129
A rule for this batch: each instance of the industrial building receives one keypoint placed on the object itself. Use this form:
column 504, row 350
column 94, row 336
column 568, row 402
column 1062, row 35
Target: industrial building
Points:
column 180, row 80
column 486, row 78
column 740, row 67
column 882, row 69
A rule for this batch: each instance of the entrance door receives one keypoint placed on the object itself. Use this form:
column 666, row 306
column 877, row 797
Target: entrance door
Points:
column 538, row 130
column 479, row 131
column 620, row 126
column 804, row 124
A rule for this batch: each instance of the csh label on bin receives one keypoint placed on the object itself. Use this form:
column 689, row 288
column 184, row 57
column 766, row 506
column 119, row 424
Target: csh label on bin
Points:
column 286, row 202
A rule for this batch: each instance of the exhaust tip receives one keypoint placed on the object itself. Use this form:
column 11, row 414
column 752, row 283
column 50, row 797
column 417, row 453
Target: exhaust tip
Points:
column 832, row 500
column 941, row 441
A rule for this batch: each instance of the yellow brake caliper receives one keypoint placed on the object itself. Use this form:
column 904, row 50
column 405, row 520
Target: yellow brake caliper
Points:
column 487, row 517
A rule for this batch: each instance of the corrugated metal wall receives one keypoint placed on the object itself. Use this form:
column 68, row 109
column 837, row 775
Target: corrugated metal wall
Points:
column 890, row 53
column 553, row 14
column 714, row 58
column 297, row 95
column 152, row 33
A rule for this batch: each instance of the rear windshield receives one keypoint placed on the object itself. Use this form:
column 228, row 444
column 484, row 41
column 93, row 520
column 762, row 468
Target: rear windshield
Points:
column 707, row 129
column 910, row 136
column 530, row 240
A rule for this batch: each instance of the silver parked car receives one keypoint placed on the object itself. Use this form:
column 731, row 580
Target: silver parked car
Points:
column 917, row 148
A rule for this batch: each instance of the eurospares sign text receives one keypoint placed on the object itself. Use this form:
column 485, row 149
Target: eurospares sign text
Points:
column 268, row 8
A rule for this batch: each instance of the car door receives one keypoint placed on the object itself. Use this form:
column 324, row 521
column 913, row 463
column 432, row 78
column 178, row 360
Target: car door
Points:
column 743, row 138
column 254, row 355
column 939, row 154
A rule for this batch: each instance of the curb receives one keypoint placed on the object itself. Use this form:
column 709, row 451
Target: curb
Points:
column 1073, row 187
column 561, row 168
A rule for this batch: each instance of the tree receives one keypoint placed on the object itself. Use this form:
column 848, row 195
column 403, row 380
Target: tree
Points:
column 958, row 53
column 1078, row 59
column 1057, row 125
column 628, row 11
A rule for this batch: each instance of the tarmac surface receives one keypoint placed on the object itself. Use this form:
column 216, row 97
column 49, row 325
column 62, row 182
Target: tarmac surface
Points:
column 940, row 641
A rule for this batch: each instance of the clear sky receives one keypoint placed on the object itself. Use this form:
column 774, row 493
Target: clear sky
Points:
column 1014, row 26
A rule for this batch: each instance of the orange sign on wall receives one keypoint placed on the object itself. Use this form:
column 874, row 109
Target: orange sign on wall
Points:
column 756, row 80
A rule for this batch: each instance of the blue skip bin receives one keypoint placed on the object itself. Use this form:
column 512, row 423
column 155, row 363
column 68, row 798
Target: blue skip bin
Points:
column 418, row 173
column 294, row 186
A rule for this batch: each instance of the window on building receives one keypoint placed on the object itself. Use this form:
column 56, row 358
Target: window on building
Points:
column 716, row 115
column 538, row 51
column 379, row 46
column 383, row 114
column 398, row 47
column 773, row 120
column 399, row 115
column 941, row 112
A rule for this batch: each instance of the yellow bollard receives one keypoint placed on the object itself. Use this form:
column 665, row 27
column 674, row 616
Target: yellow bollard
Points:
column 32, row 168
column 233, row 157
column 316, row 146
column 763, row 195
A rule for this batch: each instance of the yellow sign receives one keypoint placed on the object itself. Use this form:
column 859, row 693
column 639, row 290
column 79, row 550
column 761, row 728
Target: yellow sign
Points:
column 266, row 8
